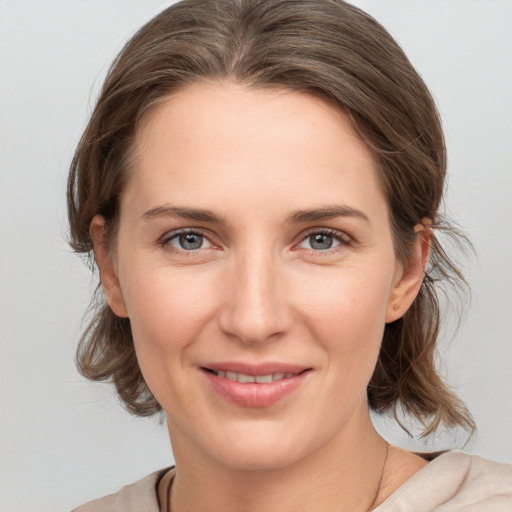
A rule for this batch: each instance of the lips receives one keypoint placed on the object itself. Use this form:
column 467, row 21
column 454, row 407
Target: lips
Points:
column 254, row 386
column 260, row 379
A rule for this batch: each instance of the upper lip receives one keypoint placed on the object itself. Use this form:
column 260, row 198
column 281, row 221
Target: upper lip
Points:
column 267, row 368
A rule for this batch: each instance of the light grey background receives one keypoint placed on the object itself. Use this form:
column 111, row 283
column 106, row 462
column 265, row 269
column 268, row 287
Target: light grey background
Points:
column 64, row 441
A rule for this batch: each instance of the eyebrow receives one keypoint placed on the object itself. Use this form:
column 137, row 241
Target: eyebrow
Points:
column 326, row 212
column 202, row 215
column 196, row 214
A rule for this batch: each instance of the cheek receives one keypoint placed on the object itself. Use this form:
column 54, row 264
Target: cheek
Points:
column 168, row 312
column 167, row 308
column 347, row 314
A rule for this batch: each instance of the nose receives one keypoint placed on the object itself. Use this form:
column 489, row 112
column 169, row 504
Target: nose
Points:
column 255, row 307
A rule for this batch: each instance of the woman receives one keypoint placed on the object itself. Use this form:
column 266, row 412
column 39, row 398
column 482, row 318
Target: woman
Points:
column 260, row 184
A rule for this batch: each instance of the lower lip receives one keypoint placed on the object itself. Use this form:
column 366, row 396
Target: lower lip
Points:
column 252, row 394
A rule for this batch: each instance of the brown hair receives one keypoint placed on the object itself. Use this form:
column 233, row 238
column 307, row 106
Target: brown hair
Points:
column 323, row 47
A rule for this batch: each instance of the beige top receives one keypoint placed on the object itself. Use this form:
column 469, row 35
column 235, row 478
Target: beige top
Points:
column 453, row 482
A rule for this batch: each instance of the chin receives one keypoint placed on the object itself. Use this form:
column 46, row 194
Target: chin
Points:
column 258, row 459
column 252, row 448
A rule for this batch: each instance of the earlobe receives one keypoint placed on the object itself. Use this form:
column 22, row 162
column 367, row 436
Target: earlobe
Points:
column 105, row 262
column 411, row 276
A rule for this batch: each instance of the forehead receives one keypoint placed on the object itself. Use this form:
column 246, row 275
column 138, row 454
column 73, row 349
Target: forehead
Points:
column 228, row 110
column 283, row 145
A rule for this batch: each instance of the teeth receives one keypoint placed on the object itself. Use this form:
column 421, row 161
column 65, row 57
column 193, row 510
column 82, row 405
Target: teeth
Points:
column 245, row 378
column 260, row 379
column 264, row 379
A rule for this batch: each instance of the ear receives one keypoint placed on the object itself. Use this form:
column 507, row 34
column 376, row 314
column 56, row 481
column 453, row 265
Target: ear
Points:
column 409, row 278
column 106, row 265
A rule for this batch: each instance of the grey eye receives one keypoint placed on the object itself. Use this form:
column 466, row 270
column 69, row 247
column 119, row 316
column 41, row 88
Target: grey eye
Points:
column 321, row 241
column 189, row 241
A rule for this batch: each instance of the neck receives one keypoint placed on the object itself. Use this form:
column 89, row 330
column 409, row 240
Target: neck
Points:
column 344, row 474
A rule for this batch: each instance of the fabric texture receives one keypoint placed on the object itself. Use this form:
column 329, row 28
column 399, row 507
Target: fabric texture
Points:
column 453, row 482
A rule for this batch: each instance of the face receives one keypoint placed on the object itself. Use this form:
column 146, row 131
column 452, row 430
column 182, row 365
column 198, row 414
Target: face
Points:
column 256, row 264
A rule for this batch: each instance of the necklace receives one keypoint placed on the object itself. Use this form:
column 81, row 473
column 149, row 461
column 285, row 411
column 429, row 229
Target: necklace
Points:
column 169, row 485
column 380, row 478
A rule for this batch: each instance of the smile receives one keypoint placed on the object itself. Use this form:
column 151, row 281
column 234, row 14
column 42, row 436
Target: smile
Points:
column 254, row 386
column 260, row 379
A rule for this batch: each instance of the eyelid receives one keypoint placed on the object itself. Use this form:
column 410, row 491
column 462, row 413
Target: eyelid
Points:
column 171, row 235
column 342, row 237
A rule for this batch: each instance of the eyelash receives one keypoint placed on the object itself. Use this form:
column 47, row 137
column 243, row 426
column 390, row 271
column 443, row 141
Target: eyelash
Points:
column 341, row 237
column 165, row 242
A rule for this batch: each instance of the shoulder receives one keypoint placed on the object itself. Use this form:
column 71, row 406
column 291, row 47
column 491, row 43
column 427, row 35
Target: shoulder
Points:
column 472, row 471
column 140, row 495
column 455, row 482
column 486, row 484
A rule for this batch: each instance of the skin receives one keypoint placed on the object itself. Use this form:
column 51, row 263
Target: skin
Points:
column 257, row 290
